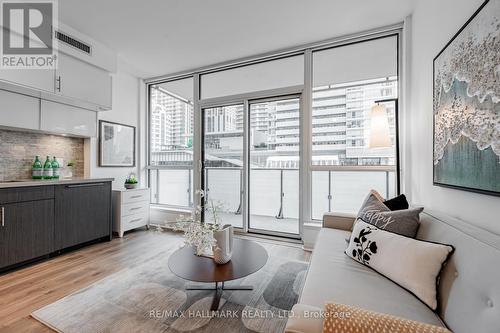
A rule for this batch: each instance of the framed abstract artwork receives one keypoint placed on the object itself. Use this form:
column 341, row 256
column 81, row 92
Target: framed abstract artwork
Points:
column 466, row 105
column 116, row 145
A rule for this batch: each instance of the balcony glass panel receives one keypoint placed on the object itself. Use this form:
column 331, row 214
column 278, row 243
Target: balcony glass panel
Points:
column 344, row 191
column 172, row 187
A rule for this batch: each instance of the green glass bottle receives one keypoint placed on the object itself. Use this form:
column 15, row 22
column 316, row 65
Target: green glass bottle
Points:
column 37, row 168
column 56, row 170
column 48, row 172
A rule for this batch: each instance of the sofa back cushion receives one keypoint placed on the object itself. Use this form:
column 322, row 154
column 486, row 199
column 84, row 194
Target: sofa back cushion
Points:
column 469, row 290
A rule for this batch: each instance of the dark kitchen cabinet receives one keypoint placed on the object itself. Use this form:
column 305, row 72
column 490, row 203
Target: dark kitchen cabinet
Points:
column 39, row 221
column 26, row 229
column 82, row 213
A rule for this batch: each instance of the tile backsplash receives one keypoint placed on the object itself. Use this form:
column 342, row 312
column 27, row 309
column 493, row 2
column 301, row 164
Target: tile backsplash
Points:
column 18, row 150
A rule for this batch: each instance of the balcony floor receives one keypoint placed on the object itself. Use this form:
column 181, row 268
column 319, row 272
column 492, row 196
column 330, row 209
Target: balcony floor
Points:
column 265, row 223
column 260, row 222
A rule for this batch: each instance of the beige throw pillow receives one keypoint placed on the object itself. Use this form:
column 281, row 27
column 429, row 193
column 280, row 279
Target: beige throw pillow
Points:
column 341, row 318
column 413, row 264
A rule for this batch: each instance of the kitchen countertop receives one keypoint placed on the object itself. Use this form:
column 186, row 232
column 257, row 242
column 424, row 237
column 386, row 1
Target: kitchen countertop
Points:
column 41, row 182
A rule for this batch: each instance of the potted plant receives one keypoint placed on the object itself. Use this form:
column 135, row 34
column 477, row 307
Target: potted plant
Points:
column 131, row 182
column 69, row 169
column 207, row 239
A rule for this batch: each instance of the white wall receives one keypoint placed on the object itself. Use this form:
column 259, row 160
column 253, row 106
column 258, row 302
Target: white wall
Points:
column 128, row 109
column 433, row 24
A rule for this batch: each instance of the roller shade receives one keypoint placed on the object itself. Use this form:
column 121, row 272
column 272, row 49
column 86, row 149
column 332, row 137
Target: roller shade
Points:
column 273, row 74
column 361, row 61
column 183, row 88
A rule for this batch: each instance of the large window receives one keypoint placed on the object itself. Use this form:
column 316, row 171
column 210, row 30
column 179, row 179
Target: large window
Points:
column 171, row 142
column 266, row 148
column 347, row 82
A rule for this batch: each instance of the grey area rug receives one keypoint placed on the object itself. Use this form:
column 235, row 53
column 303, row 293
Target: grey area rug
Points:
column 149, row 298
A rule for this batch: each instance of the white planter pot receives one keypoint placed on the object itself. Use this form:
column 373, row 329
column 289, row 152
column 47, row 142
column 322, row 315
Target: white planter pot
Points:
column 223, row 251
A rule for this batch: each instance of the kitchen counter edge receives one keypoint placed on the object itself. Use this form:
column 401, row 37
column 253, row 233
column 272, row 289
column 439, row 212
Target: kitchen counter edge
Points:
column 30, row 183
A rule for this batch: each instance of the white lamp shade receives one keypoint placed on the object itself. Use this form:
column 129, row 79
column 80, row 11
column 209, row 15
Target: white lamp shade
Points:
column 379, row 128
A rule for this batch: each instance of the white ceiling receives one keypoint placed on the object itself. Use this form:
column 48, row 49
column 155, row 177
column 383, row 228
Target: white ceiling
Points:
column 165, row 36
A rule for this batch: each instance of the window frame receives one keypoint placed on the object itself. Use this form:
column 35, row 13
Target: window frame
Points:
column 309, row 108
column 156, row 168
column 306, row 164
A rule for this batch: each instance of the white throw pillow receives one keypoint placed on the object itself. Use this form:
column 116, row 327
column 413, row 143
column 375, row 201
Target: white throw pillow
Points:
column 413, row 264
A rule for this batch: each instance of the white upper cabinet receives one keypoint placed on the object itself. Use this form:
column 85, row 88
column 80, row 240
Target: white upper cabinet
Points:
column 19, row 111
column 66, row 119
column 39, row 79
column 27, row 112
column 83, row 82
column 82, row 77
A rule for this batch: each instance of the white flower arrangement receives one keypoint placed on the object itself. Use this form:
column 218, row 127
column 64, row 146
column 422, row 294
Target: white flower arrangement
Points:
column 199, row 234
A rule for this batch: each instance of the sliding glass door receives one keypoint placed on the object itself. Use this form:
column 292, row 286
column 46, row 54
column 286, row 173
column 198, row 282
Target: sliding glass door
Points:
column 223, row 151
column 251, row 165
column 274, row 143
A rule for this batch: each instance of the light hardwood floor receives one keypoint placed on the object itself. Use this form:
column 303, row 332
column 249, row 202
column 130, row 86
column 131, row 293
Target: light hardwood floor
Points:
column 30, row 288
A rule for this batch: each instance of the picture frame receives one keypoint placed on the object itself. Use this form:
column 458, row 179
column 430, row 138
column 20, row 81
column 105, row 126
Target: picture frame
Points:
column 466, row 155
column 116, row 144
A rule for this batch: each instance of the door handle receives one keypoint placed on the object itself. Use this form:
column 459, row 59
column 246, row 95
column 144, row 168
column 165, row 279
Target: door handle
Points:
column 136, row 196
column 135, row 220
column 135, row 208
column 84, row 185
column 2, row 216
column 58, row 83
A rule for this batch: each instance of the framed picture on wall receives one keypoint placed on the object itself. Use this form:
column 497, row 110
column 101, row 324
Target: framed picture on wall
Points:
column 116, row 145
column 467, row 105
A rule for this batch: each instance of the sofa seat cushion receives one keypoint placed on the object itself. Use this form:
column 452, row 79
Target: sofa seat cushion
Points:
column 334, row 277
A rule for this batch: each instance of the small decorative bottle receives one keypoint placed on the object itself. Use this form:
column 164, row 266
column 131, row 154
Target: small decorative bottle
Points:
column 48, row 172
column 56, row 170
column 37, row 168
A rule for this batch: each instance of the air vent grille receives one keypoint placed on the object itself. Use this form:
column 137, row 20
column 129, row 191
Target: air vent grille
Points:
column 73, row 42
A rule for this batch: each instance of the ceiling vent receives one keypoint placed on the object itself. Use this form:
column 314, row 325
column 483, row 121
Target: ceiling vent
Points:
column 73, row 42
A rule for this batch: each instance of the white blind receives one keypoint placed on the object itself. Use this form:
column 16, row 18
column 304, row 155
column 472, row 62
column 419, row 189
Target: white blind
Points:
column 356, row 62
column 273, row 74
column 183, row 88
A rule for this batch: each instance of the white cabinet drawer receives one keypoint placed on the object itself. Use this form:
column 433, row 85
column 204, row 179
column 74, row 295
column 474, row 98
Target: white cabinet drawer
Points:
column 135, row 196
column 131, row 209
column 134, row 221
column 135, row 208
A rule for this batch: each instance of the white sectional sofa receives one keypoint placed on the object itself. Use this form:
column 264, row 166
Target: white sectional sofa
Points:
column 469, row 290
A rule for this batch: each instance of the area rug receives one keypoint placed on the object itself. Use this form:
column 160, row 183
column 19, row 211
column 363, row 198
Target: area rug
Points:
column 149, row 298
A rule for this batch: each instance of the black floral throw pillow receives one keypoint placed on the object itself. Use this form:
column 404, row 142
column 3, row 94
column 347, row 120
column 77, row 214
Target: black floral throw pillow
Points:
column 365, row 248
column 413, row 264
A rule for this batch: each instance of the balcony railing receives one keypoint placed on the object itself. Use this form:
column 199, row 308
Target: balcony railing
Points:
column 343, row 189
column 274, row 192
